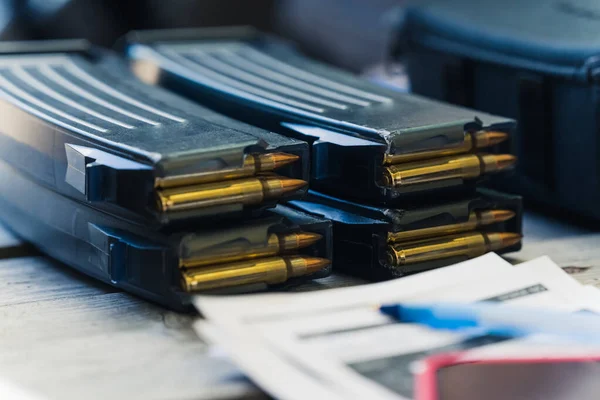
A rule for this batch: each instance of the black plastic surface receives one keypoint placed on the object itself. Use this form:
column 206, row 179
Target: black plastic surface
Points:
column 536, row 61
column 360, row 231
column 507, row 33
column 79, row 122
column 127, row 255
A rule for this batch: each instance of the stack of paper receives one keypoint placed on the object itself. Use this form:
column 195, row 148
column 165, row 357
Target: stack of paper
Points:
column 336, row 344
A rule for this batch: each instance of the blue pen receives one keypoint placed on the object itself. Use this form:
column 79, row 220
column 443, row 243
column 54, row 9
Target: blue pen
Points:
column 497, row 318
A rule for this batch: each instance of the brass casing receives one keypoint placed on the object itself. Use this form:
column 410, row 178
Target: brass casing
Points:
column 464, row 147
column 476, row 219
column 464, row 245
column 469, row 245
column 469, row 225
column 244, row 191
column 232, row 253
column 264, row 270
column 253, row 164
column 472, row 141
column 206, row 177
column 240, row 191
column 438, row 169
column 240, row 250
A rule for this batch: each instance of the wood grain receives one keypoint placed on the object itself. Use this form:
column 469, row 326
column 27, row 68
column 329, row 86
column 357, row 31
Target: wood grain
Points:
column 65, row 336
column 36, row 279
column 573, row 247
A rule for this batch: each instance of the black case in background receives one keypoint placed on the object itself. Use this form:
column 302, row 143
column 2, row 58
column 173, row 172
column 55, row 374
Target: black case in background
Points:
column 536, row 61
column 360, row 231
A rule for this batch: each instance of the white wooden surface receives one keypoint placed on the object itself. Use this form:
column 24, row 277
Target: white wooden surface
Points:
column 65, row 336
column 575, row 248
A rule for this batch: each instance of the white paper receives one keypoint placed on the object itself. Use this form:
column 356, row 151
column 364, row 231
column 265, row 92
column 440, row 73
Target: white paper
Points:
column 336, row 343
column 9, row 391
column 237, row 308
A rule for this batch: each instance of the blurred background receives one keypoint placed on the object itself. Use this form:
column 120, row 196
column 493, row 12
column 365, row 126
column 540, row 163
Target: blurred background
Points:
column 353, row 34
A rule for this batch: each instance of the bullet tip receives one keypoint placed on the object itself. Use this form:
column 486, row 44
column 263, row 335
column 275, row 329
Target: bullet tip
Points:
column 499, row 241
column 282, row 159
column 489, row 138
column 298, row 240
column 498, row 162
column 305, row 239
column 303, row 265
column 289, row 185
column 315, row 264
column 505, row 161
column 276, row 186
column 494, row 216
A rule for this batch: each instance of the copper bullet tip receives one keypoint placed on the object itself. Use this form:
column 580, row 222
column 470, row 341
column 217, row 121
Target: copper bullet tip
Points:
column 315, row 264
column 269, row 161
column 489, row 217
column 489, row 138
column 303, row 265
column 300, row 240
column 498, row 241
column 289, row 185
column 279, row 160
column 502, row 215
column 275, row 187
column 505, row 161
column 498, row 162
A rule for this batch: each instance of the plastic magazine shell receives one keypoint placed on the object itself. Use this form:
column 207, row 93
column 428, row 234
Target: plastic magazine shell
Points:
column 350, row 122
column 360, row 231
column 131, row 256
column 76, row 120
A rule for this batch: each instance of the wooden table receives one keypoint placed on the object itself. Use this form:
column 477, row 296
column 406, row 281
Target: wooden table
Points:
column 65, row 336
column 573, row 247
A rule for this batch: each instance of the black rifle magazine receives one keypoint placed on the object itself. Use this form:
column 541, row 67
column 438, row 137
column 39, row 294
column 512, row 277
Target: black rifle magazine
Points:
column 361, row 231
column 76, row 120
column 352, row 124
column 132, row 257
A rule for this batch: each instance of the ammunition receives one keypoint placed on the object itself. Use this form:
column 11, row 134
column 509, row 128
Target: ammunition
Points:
column 253, row 164
column 239, row 191
column 264, row 270
column 467, row 245
column 462, row 167
column 277, row 243
column 476, row 220
column 473, row 141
